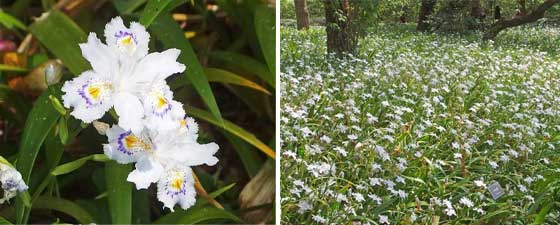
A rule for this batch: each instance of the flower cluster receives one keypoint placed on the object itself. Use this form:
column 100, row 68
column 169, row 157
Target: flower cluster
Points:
column 12, row 183
column 152, row 131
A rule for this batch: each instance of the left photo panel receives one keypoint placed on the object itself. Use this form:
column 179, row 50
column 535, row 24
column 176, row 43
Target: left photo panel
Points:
column 137, row 112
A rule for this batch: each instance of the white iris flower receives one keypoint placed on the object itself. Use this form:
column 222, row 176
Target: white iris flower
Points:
column 177, row 186
column 12, row 183
column 126, row 77
column 163, row 156
column 152, row 131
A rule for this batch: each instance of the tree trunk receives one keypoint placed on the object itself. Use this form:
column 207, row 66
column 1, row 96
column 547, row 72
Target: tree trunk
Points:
column 342, row 37
column 529, row 18
column 302, row 16
column 477, row 11
column 522, row 7
column 426, row 9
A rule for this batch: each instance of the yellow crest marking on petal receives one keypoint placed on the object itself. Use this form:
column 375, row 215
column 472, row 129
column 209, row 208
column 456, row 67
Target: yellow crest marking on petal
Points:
column 183, row 123
column 94, row 92
column 130, row 141
column 177, row 183
column 126, row 40
column 161, row 102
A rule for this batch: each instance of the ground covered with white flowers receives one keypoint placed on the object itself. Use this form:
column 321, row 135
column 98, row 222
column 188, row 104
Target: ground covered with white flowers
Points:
column 415, row 127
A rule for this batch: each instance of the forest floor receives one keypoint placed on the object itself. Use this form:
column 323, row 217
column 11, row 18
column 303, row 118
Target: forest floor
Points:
column 417, row 128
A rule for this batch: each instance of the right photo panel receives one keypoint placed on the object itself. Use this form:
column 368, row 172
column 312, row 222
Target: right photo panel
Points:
column 420, row 112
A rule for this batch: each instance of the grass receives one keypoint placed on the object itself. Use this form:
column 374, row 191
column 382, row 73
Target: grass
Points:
column 412, row 128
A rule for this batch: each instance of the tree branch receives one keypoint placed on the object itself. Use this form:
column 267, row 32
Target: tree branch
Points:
column 529, row 18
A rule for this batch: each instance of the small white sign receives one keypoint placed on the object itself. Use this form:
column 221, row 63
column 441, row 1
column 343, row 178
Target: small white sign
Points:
column 495, row 189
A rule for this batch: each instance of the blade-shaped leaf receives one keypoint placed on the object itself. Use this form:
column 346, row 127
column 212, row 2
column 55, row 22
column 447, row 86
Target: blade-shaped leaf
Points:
column 176, row 3
column 18, row 7
column 200, row 215
column 65, row 206
column 214, row 194
column 4, row 221
column 196, row 215
column 249, row 157
column 127, row 6
column 4, row 67
column 232, row 128
column 541, row 217
column 246, row 63
column 266, row 33
column 152, row 10
column 25, row 198
column 140, row 207
column 76, row 164
column 224, row 76
column 119, row 192
column 40, row 121
column 166, row 30
column 5, row 161
column 61, row 36
column 222, row 190
column 10, row 22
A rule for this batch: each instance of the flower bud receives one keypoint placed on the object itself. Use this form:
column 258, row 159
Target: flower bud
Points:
column 100, row 127
column 57, row 105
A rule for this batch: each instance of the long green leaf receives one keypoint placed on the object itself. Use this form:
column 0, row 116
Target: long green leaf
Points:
column 25, row 198
column 119, row 192
column 266, row 33
column 221, row 190
column 65, row 206
column 166, row 30
column 152, row 10
column 19, row 6
column 176, row 3
column 61, row 36
column 54, row 148
column 261, row 104
column 5, row 161
column 540, row 219
column 215, row 194
column 4, row 221
column 4, row 67
column 224, row 76
column 140, row 209
column 198, row 214
column 127, row 6
column 246, row 63
column 40, row 121
column 76, row 164
column 249, row 157
column 10, row 22
column 231, row 128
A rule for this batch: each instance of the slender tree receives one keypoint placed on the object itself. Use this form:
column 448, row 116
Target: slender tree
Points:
column 477, row 11
column 517, row 21
column 302, row 16
column 426, row 10
column 522, row 7
column 477, row 14
column 342, row 35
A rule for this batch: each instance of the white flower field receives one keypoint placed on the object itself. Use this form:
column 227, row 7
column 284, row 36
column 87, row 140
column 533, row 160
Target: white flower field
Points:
column 418, row 128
